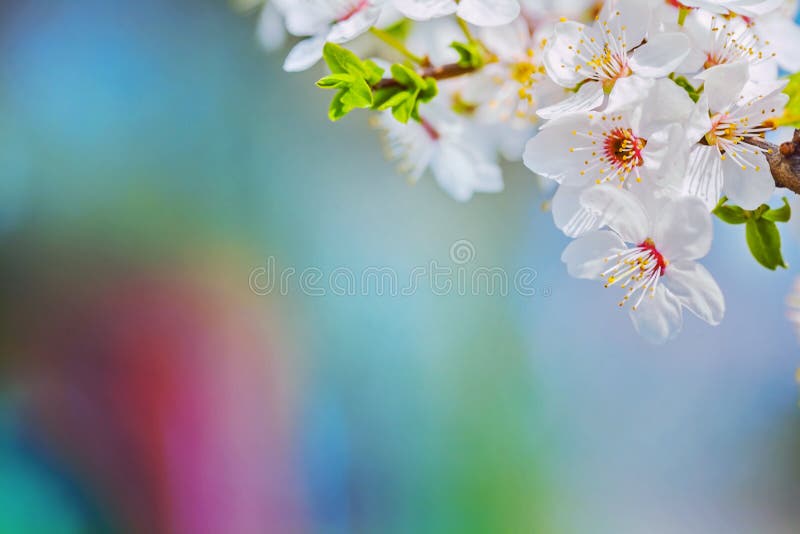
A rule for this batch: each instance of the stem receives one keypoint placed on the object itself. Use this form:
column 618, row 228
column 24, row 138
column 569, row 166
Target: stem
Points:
column 398, row 45
column 682, row 14
column 784, row 161
column 465, row 29
column 445, row 72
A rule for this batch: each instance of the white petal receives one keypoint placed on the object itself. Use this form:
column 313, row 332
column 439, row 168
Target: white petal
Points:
column 696, row 289
column 507, row 42
column 305, row 54
column 699, row 121
column 628, row 92
column 666, row 104
column 270, row 28
column 568, row 213
column 658, row 319
column 704, row 178
column 625, row 17
column 724, row 84
column 748, row 188
column 661, row 55
column 588, row 97
column 560, row 58
column 353, row 26
column 683, row 229
column 426, row 9
column 586, row 256
column 548, row 153
column 620, row 210
column 488, row 12
column 784, row 35
column 462, row 172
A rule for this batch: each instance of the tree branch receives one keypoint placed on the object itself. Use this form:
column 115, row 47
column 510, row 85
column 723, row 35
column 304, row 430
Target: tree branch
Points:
column 445, row 72
column 784, row 161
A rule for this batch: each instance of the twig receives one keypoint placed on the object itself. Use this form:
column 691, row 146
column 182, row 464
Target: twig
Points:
column 784, row 161
column 444, row 72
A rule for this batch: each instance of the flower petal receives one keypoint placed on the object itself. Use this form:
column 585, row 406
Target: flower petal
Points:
column 353, row 26
column 588, row 97
column 548, row 152
column 568, row 213
column 586, row 256
column 696, row 289
column 426, row 9
column 305, row 54
column 748, row 188
column 658, row 319
column 704, row 176
column 724, row 84
column 661, row 55
column 488, row 12
column 620, row 210
column 683, row 229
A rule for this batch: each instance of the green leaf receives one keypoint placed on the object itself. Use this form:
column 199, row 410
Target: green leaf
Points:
column 792, row 111
column 352, row 78
column 335, row 81
column 407, row 77
column 358, row 95
column 782, row 214
column 338, row 108
column 470, row 55
column 731, row 214
column 340, row 59
column 405, row 110
column 430, row 90
column 373, row 73
column 764, row 241
column 390, row 97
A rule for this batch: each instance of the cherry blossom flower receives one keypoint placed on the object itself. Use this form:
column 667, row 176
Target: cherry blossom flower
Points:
column 514, row 86
column 720, row 41
column 643, row 145
column 593, row 58
column 461, row 162
column 723, row 161
column 650, row 250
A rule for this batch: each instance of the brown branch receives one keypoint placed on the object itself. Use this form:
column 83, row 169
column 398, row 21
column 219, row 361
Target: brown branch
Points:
column 444, row 72
column 784, row 161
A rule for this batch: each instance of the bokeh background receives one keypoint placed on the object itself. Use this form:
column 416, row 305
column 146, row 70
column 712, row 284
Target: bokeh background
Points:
column 151, row 156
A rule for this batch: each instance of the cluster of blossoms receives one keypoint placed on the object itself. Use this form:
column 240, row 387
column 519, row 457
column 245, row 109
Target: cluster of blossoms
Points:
column 645, row 116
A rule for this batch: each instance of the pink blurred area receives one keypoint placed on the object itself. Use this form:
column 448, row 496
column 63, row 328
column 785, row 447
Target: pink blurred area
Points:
column 169, row 396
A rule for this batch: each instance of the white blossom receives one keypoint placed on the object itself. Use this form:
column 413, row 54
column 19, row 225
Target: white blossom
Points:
column 649, row 251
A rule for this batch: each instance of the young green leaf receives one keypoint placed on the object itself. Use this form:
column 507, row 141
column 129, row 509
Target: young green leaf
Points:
column 731, row 214
column 340, row 59
column 469, row 54
column 351, row 77
column 782, row 214
column 792, row 111
column 764, row 241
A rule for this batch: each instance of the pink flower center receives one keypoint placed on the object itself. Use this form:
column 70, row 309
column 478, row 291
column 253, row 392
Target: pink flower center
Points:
column 638, row 271
column 623, row 149
column 654, row 255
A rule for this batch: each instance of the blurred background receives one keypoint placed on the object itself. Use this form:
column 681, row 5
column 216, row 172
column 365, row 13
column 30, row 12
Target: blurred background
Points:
column 152, row 156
